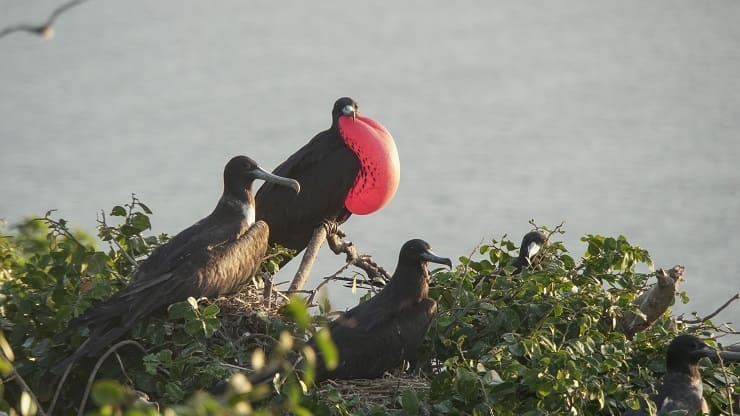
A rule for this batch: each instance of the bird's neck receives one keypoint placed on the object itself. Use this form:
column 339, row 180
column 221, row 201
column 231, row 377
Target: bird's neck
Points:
column 684, row 369
column 692, row 379
column 239, row 204
column 412, row 280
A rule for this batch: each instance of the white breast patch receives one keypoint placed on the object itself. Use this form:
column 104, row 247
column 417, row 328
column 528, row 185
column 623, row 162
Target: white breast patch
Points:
column 248, row 211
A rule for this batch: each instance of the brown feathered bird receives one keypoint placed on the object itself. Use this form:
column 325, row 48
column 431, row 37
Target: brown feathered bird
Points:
column 681, row 388
column 388, row 329
column 215, row 256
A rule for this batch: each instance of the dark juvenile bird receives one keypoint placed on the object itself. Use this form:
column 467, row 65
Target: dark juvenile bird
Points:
column 532, row 243
column 352, row 167
column 681, row 388
column 383, row 332
column 45, row 30
column 215, row 256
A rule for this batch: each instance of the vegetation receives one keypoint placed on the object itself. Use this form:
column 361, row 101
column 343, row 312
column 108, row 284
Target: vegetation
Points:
column 543, row 342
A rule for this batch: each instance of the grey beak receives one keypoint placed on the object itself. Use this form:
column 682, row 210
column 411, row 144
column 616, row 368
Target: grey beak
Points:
column 433, row 258
column 260, row 173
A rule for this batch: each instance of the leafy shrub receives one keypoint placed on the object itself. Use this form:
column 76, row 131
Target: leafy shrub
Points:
column 543, row 342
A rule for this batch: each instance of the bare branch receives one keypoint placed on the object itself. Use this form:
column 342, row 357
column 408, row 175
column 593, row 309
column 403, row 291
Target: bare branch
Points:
column 94, row 373
column 309, row 256
column 713, row 314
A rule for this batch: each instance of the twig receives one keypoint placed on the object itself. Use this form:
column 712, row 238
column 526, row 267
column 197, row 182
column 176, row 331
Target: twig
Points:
column 236, row 367
column 364, row 262
column 309, row 256
column 22, row 383
column 713, row 314
column 102, row 223
column 59, row 387
column 247, row 337
column 60, row 229
column 94, row 373
column 325, row 281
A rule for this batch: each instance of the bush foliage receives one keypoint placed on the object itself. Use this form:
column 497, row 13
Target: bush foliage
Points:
column 540, row 342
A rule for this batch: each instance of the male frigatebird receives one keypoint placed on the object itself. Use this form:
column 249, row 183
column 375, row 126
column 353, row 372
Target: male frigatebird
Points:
column 350, row 168
column 215, row 256
column 681, row 388
column 383, row 332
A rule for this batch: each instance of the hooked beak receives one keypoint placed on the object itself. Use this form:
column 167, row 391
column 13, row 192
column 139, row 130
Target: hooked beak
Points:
column 715, row 356
column 260, row 173
column 348, row 110
column 433, row 258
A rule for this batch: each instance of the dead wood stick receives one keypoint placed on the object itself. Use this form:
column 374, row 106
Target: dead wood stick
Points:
column 312, row 250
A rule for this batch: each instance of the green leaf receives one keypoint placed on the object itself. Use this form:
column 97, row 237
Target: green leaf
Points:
column 118, row 211
column 145, row 208
column 327, row 348
column 210, row 311
column 181, row 310
column 174, row 392
column 140, row 222
column 108, row 392
column 409, row 402
column 298, row 311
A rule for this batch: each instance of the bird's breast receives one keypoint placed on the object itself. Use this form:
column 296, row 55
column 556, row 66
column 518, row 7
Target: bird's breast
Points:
column 380, row 169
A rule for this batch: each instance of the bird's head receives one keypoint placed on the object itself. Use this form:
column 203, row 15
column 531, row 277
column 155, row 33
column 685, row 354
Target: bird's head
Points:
column 418, row 251
column 344, row 106
column 241, row 171
column 685, row 351
column 532, row 243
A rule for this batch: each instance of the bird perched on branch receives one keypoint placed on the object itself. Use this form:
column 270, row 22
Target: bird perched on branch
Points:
column 215, row 256
column 45, row 30
column 532, row 243
column 350, row 168
column 388, row 329
column 681, row 388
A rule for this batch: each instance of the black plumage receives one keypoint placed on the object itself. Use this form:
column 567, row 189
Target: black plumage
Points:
column 383, row 332
column 326, row 169
column 532, row 244
column 215, row 256
column 46, row 29
column 681, row 387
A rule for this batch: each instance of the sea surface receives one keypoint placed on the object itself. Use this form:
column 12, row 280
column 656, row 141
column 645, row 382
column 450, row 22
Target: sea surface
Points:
column 614, row 117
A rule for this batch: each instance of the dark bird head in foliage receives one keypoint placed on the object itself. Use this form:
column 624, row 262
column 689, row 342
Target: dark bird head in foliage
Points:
column 532, row 243
column 684, row 353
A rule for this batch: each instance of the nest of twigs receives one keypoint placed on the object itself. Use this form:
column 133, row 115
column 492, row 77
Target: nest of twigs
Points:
column 384, row 393
column 249, row 311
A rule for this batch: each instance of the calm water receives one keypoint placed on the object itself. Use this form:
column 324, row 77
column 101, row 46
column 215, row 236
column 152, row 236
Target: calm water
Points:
column 615, row 117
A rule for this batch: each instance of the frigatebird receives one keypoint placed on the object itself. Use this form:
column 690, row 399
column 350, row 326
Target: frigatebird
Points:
column 532, row 243
column 352, row 167
column 215, row 256
column 681, row 387
column 46, row 29
column 388, row 329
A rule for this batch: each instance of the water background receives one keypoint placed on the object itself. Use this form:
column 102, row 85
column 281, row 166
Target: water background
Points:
column 615, row 117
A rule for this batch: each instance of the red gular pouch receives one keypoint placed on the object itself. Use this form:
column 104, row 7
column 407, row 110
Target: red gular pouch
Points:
column 380, row 169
